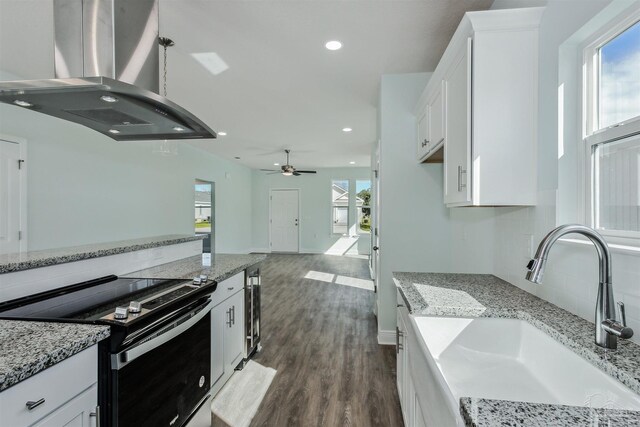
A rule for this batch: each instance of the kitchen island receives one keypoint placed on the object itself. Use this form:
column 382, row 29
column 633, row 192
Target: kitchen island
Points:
column 221, row 267
column 27, row 347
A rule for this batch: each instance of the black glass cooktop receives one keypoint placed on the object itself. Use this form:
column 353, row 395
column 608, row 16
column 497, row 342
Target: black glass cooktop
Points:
column 93, row 300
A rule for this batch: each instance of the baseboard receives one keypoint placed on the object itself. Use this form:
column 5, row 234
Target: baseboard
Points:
column 386, row 337
column 260, row 250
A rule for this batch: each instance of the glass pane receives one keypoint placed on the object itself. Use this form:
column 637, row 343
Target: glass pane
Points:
column 363, row 203
column 204, row 212
column 619, row 97
column 617, row 185
column 340, row 206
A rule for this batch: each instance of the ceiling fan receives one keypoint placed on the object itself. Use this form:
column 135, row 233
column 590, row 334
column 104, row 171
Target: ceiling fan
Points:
column 287, row 169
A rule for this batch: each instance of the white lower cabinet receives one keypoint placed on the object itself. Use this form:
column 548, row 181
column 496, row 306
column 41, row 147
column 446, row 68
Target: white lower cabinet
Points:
column 422, row 401
column 233, row 331
column 81, row 411
column 217, row 343
column 66, row 394
column 402, row 364
column 227, row 330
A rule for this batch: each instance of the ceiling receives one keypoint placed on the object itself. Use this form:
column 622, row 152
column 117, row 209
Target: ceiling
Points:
column 283, row 88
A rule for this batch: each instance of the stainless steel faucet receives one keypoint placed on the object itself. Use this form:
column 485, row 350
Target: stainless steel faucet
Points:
column 608, row 329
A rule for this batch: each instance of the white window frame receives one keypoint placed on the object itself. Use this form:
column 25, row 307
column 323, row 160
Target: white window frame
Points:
column 591, row 135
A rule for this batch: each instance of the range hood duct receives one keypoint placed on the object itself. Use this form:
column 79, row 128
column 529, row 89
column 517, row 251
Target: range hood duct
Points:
column 107, row 74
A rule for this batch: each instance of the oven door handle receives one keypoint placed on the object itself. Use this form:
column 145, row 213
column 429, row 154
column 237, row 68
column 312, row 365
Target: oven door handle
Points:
column 125, row 357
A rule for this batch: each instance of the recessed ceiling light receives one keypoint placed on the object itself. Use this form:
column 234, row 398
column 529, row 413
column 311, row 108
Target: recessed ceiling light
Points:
column 222, row 134
column 333, row 45
column 178, row 128
column 276, row 164
column 114, row 131
column 22, row 103
column 109, row 98
column 352, row 163
column 346, row 129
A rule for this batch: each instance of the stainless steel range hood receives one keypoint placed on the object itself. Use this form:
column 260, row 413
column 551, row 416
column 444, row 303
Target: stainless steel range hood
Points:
column 112, row 45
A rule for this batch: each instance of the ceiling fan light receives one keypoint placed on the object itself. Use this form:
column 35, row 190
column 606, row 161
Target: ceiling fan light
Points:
column 287, row 173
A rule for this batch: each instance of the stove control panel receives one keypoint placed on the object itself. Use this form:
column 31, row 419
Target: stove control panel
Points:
column 121, row 313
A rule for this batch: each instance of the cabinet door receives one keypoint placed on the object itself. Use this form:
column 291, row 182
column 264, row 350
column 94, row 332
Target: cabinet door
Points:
column 423, row 133
column 417, row 417
column 234, row 333
column 400, row 365
column 436, row 117
column 457, row 152
column 81, row 411
column 403, row 376
column 217, row 342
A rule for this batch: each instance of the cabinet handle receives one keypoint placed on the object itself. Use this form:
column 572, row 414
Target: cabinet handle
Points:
column 31, row 405
column 96, row 414
column 228, row 322
column 398, row 345
column 461, row 184
column 230, row 289
column 233, row 315
column 424, row 143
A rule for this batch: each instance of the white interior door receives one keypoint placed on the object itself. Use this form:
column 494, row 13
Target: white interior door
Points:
column 10, row 203
column 284, row 221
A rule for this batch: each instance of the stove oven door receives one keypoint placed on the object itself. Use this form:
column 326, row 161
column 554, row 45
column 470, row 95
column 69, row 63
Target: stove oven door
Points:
column 162, row 380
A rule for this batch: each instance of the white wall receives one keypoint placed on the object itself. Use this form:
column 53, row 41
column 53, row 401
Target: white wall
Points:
column 87, row 188
column 417, row 232
column 571, row 279
column 315, row 204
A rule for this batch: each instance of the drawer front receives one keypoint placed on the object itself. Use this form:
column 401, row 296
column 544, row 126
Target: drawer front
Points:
column 228, row 287
column 56, row 385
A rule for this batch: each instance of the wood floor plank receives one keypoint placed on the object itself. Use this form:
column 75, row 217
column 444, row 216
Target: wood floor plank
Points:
column 321, row 337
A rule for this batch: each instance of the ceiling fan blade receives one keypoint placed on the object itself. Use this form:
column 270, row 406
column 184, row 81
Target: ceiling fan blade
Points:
column 296, row 173
column 306, row 171
column 269, row 170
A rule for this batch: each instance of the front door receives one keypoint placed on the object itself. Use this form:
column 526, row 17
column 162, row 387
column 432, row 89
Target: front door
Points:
column 10, row 197
column 284, row 221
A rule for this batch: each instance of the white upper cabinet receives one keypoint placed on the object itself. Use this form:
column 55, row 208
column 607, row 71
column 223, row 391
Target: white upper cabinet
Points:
column 431, row 126
column 488, row 80
column 457, row 150
column 423, row 132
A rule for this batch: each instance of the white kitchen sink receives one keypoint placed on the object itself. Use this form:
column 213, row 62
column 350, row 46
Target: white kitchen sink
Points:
column 509, row 359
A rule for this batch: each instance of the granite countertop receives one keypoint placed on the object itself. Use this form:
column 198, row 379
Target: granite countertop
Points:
column 27, row 348
column 10, row 263
column 222, row 267
column 482, row 295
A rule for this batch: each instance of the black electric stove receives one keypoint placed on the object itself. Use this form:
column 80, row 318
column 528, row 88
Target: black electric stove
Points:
column 160, row 343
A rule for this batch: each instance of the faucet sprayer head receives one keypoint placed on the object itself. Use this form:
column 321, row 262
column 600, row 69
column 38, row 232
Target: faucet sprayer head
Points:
column 535, row 270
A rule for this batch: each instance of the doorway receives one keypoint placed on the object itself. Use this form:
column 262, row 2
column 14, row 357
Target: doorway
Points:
column 204, row 203
column 12, row 197
column 284, row 220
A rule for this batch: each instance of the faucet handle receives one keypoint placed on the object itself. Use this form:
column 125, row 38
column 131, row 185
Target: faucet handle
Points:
column 622, row 318
column 619, row 326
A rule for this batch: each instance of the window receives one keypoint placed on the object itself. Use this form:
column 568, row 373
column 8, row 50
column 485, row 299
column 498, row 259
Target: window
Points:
column 363, row 204
column 204, row 211
column 612, row 129
column 340, row 206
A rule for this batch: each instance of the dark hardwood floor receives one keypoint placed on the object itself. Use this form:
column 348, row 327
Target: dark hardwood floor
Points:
column 321, row 339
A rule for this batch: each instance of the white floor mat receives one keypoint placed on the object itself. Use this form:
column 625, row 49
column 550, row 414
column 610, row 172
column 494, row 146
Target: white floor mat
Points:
column 238, row 401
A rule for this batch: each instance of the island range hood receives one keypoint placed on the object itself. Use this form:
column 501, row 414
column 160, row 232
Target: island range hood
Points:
column 107, row 74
